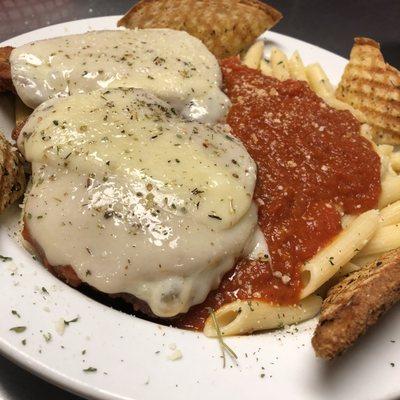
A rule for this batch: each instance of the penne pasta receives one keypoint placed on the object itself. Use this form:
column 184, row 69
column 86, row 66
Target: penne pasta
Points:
column 254, row 55
column 390, row 190
column 319, row 82
column 241, row 316
column 296, row 67
column 343, row 248
column 390, row 214
column 265, row 67
column 395, row 161
column 385, row 239
column 279, row 64
column 347, row 220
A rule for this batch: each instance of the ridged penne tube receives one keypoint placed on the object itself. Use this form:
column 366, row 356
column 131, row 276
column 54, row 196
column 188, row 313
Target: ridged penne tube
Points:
column 339, row 252
column 395, row 160
column 318, row 81
column 296, row 67
column 265, row 67
column 390, row 214
column 385, row 239
column 279, row 64
column 241, row 317
column 254, row 55
column 390, row 191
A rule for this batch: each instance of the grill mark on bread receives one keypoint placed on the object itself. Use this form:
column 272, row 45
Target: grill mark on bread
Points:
column 372, row 86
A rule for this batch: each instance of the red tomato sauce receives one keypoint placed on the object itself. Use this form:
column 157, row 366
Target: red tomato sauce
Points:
column 313, row 166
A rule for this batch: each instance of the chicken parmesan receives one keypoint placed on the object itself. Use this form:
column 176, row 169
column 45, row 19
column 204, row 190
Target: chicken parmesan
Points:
column 131, row 198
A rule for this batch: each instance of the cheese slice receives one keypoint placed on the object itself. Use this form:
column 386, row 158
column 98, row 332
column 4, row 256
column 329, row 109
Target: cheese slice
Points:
column 171, row 64
column 136, row 198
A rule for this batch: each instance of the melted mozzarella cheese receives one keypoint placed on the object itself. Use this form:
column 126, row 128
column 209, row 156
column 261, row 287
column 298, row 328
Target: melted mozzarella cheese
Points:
column 171, row 64
column 136, row 198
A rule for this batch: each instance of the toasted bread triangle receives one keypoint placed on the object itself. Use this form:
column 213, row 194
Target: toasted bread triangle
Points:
column 356, row 303
column 372, row 86
column 226, row 27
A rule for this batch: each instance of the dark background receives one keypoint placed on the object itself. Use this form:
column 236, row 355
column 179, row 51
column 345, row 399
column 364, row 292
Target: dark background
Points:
column 331, row 24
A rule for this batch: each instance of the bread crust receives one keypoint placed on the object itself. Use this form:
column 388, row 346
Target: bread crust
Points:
column 12, row 175
column 226, row 27
column 356, row 303
column 6, row 84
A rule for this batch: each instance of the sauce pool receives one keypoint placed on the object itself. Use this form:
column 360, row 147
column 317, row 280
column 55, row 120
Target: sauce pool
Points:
column 313, row 167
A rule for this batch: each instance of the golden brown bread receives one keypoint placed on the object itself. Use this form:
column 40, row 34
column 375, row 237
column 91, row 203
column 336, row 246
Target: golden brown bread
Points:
column 372, row 86
column 12, row 175
column 226, row 27
column 6, row 84
column 356, row 303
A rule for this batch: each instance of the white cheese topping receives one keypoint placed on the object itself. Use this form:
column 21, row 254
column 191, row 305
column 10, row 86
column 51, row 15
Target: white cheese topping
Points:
column 173, row 65
column 136, row 198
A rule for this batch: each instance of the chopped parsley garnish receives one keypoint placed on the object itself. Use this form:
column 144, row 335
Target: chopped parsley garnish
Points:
column 47, row 336
column 5, row 258
column 14, row 312
column 18, row 329
column 71, row 321
column 90, row 369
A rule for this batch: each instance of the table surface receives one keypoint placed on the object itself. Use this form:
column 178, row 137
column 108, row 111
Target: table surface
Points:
column 328, row 24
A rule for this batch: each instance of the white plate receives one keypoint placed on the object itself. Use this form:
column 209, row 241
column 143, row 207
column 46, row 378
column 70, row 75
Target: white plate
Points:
column 131, row 355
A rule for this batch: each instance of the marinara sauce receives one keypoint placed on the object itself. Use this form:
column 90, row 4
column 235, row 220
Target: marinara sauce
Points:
column 313, row 166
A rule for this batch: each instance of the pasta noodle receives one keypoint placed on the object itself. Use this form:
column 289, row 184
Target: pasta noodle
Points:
column 265, row 67
column 384, row 239
column 390, row 191
column 296, row 67
column 343, row 248
column 253, row 56
column 395, row 161
column 241, row 317
column 390, row 214
column 279, row 64
column 319, row 82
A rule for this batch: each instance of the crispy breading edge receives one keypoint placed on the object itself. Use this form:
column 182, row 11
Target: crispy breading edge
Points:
column 12, row 175
column 274, row 13
column 356, row 303
column 6, row 84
